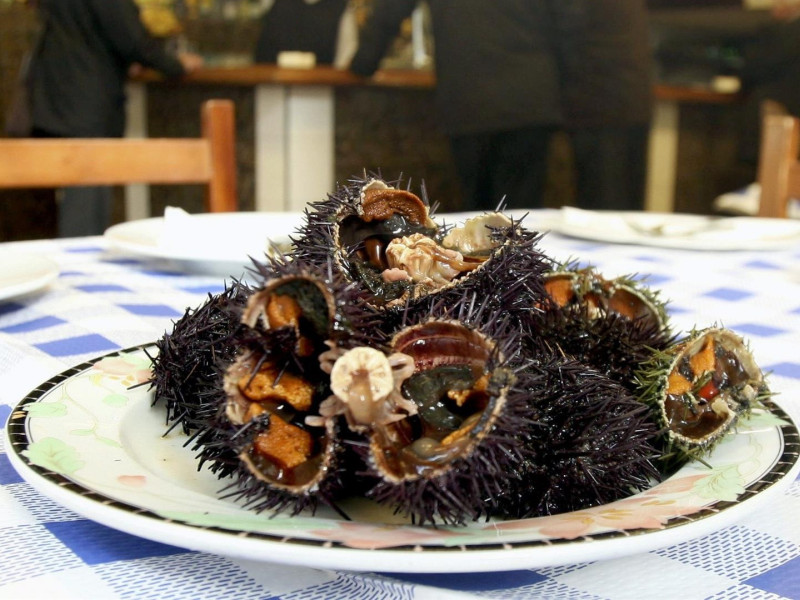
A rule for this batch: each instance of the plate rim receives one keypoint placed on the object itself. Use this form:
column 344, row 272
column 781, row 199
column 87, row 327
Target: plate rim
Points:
column 410, row 558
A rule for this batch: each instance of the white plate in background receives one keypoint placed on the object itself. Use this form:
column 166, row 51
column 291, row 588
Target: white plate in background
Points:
column 22, row 274
column 676, row 230
column 218, row 243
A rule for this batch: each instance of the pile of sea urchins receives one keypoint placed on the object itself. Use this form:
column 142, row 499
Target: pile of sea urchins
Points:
column 452, row 372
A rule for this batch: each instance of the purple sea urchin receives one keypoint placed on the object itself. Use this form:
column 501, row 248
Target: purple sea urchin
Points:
column 570, row 286
column 186, row 370
column 613, row 326
column 441, row 370
column 276, row 382
column 353, row 227
column 594, row 445
column 451, row 417
column 398, row 254
column 282, row 463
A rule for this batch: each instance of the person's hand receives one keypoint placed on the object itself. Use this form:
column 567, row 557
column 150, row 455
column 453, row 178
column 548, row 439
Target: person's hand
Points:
column 190, row 61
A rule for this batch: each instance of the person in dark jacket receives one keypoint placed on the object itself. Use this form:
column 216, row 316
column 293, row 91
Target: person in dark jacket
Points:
column 77, row 80
column 608, row 102
column 302, row 26
column 498, row 87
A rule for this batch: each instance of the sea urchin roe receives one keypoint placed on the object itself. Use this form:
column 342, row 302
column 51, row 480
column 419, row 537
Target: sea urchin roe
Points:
column 282, row 310
column 269, row 384
column 560, row 289
column 298, row 302
column 703, row 361
column 624, row 302
column 463, row 431
column 677, row 384
column 599, row 296
column 283, row 443
column 313, row 304
column 287, row 455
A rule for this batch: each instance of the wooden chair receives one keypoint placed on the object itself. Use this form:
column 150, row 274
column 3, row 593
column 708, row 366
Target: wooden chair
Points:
column 779, row 165
column 209, row 159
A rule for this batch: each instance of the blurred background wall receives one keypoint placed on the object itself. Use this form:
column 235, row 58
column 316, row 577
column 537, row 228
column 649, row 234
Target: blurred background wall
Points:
column 395, row 129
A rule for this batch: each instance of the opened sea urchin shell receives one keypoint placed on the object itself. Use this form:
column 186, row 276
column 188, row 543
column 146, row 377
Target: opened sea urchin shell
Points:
column 699, row 387
column 446, row 435
column 610, row 325
column 598, row 295
column 355, row 225
column 383, row 239
column 274, row 384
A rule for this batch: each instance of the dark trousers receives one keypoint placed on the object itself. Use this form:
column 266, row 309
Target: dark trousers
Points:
column 510, row 165
column 611, row 167
column 82, row 211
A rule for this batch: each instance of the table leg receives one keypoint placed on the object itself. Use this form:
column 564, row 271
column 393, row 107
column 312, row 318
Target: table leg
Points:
column 663, row 157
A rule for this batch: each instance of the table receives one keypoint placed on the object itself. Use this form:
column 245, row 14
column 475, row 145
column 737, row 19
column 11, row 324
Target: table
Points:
column 294, row 115
column 104, row 301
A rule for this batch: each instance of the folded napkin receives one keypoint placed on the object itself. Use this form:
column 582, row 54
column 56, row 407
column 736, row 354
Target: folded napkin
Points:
column 745, row 201
column 229, row 237
column 675, row 229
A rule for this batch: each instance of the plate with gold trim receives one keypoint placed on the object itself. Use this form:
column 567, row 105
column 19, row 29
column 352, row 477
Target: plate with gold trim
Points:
column 91, row 440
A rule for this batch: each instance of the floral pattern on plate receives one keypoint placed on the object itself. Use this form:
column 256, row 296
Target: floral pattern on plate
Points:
column 92, row 430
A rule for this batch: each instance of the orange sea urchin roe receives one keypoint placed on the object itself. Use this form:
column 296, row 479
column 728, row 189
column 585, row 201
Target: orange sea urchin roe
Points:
column 628, row 305
column 560, row 290
column 284, row 444
column 266, row 385
column 283, row 310
column 704, row 361
column 677, row 384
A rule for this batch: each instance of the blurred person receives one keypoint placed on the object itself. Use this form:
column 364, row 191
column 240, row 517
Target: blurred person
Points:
column 770, row 71
column 324, row 27
column 608, row 102
column 497, row 90
column 77, row 79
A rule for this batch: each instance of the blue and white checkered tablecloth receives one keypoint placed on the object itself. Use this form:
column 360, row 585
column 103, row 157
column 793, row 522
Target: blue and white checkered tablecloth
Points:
column 102, row 302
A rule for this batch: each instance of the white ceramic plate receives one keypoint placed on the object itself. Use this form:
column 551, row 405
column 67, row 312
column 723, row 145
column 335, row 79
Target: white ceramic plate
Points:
column 90, row 441
column 22, row 274
column 218, row 243
column 674, row 230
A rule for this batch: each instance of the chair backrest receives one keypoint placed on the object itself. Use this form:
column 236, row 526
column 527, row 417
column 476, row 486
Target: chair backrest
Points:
column 209, row 159
column 779, row 165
